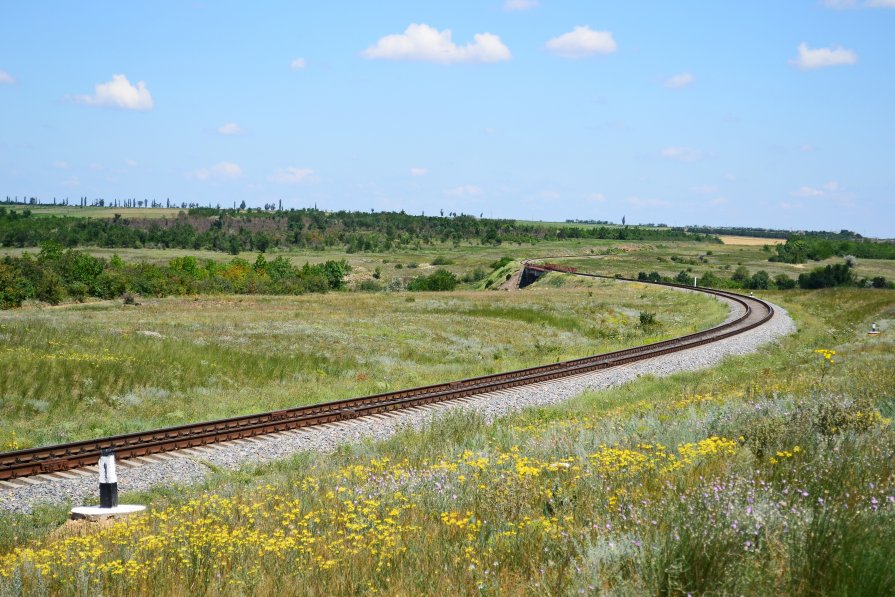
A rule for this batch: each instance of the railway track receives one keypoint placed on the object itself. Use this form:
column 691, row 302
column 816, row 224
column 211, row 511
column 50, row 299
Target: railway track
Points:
column 55, row 460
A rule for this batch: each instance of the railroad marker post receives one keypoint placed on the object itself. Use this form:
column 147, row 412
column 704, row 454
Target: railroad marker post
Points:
column 108, row 480
column 108, row 494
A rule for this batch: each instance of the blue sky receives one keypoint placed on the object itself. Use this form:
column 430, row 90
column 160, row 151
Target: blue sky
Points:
column 763, row 113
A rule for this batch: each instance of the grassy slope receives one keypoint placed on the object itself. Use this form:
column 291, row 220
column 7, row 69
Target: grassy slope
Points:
column 103, row 368
column 766, row 475
column 626, row 258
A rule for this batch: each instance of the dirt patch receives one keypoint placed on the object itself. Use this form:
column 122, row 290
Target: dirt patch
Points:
column 751, row 241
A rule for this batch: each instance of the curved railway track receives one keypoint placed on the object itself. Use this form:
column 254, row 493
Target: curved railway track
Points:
column 59, row 458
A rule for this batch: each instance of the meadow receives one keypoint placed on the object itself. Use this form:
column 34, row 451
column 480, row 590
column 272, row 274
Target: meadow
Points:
column 770, row 474
column 103, row 368
column 604, row 256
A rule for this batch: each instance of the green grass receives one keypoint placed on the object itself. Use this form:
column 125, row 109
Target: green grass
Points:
column 105, row 368
column 101, row 212
column 764, row 475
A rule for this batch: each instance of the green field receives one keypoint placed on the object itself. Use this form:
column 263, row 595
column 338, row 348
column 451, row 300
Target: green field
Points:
column 105, row 368
column 101, row 212
column 770, row 474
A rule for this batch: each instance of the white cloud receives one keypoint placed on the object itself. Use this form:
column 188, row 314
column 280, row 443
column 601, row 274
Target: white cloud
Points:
column 880, row 3
column 832, row 186
column 806, row 148
column 719, row 201
column 809, row 59
column 511, row 5
column 679, row 81
column 419, row 171
column 596, row 197
column 221, row 171
column 293, row 175
column 639, row 202
column 231, row 128
column 681, row 154
column 74, row 181
column 131, row 163
column 298, row 64
column 464, row 190
column 61, row 165
column 705, row 189
column 6, row 78
column 550, row 195
column 119, row 93
column 581, row 42
column 425, row 43
column 807, row 191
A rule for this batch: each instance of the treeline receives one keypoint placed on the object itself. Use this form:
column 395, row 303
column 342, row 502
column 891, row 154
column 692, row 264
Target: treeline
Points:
column 235, row 231
column 56, row 275
column 829, row 276
column 772, row 232
column 800, row 249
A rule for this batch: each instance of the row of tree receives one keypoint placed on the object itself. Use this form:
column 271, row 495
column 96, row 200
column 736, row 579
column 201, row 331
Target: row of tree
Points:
column 829, row 276
column 56, row 275
column 235, row 231
column 799, row 249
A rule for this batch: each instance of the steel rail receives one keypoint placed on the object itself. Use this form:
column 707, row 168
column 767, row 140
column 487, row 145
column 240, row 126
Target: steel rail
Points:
column 61, row 457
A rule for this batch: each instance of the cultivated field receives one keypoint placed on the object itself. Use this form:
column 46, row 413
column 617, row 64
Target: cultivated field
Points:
column 750, row 241
column 105, row 368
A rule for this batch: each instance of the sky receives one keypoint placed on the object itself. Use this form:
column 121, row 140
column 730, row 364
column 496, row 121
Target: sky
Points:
column 735, row 113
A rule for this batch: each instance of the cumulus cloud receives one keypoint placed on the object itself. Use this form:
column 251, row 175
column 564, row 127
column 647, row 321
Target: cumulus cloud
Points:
column 119, row 93
column 880, row 3
column 425, row 43
column 511, row 5
column 463, row 191
column 293, row 175
column 298, row 64
column 705, row 189
column 809, row 59
column 680, row 81
column 582, row 41
column 6, row 78
column 596, row 197
column 231, row 128
column 61, row 165
column 221, row 171
column 681, row 154
column 419, row 171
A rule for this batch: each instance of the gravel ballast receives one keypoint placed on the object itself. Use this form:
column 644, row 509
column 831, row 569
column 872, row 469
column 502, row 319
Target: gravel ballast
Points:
column 182, row 467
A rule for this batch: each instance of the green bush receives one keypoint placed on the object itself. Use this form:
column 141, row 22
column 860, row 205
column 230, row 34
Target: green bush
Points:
column 439, row 280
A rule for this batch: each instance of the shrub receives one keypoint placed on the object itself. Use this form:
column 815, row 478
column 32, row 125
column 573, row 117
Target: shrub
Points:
column 440, row 260
column 503, row 261
column 647, row 319
column 784, row 282
column 439, row 280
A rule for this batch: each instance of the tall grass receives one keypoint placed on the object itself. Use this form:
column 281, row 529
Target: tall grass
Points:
column 88, row 370
column 755, row 477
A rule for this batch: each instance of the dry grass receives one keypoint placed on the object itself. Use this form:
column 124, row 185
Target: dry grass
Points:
column 751, row 241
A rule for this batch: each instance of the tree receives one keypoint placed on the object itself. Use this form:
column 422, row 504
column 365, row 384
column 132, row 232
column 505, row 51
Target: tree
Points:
column 741, row 275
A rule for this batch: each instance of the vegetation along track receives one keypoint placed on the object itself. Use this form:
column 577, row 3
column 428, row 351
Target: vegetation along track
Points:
column 62, row 457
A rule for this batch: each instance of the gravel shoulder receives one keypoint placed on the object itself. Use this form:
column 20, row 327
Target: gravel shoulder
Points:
column 232, row 455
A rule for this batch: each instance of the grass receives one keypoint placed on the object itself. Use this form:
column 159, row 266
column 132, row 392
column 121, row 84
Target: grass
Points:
column 770, row 474
column 101, row 212
column 105, row 368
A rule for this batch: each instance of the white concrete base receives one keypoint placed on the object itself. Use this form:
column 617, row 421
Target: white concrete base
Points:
column 96, row 513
